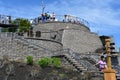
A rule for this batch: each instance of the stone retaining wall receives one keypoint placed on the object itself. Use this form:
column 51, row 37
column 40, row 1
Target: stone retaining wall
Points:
column 48, row 35
column 17, row 48
column 60, row 25
column 48, row 44
column 80, row 41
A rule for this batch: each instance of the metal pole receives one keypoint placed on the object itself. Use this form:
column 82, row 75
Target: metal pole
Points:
column 43, row 7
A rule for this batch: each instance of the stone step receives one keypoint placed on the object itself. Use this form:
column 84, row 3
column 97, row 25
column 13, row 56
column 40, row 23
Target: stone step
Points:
column 75, row 63
column 80, row 67
column 84, row 69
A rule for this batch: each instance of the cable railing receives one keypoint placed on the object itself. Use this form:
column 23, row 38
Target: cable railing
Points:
column 62, row 18
column 7, row 19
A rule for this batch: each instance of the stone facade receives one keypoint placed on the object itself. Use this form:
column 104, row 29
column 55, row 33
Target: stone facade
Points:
column 74, row 36
column 46, row 43
column 80, row 41
column 17, row 47
column 56, row 26
column 77, row 37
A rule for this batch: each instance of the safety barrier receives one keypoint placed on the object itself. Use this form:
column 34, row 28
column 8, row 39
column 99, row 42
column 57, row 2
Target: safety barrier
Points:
column 7, row 19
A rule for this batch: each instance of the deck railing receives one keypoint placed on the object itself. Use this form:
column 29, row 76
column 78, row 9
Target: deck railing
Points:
column 6, row 19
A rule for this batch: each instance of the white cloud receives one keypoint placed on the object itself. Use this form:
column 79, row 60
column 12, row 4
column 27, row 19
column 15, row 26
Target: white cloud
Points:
column 99, row 12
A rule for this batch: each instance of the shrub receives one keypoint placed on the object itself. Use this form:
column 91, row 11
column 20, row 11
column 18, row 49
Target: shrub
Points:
column 44, row 62
column 29, row 60
column 56, row 62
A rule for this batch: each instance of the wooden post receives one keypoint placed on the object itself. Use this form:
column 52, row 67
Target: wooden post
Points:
column 109, row 73
column 108, row 53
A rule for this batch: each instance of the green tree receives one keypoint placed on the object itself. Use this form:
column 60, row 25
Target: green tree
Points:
column 24, row 24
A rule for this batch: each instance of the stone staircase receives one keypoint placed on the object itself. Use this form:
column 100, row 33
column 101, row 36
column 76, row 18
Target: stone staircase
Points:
column 80, row 58
column 90, row 60
column 73, row 62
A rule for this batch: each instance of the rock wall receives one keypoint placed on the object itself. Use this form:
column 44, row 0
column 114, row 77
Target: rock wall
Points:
column 80, row 41
column 48, row 35
column 48, row 44
column 17, row 48
column 74, row 36
column 60, row 25
column 77, row 37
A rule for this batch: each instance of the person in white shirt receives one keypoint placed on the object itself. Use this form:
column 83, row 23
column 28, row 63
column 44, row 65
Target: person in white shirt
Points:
column 53, row 16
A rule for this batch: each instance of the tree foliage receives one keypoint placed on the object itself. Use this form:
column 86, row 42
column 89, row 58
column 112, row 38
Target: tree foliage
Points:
column 24, row 24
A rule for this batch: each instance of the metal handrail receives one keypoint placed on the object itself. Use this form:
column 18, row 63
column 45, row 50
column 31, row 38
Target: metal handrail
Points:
column 7, row 19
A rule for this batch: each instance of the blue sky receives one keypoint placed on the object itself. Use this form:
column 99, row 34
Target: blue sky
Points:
column 103, row 15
